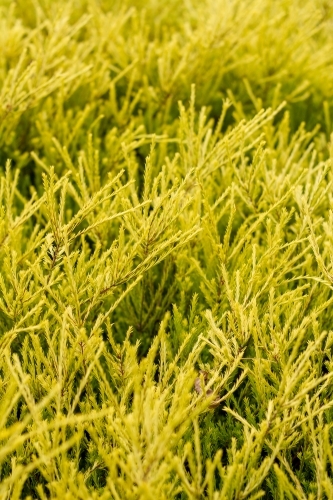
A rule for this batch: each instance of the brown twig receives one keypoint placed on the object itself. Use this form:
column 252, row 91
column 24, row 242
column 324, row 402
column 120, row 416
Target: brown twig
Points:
column 203, row 376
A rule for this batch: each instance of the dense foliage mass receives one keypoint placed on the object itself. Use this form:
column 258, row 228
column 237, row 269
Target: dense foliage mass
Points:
column 166, row 249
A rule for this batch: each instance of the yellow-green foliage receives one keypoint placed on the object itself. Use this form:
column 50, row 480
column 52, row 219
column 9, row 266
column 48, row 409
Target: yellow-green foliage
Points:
column 166, row 249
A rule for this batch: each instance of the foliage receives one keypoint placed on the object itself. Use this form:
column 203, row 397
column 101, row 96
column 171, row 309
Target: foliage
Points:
column 166, row 262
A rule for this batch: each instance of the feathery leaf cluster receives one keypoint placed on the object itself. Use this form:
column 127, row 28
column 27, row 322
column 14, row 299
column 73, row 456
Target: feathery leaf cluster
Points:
column 166, row 249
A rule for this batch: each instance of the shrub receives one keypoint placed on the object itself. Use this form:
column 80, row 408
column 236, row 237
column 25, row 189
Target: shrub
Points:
column 166, row 264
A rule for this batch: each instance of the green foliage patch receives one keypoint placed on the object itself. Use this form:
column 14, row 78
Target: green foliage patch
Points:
column 166, row 249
